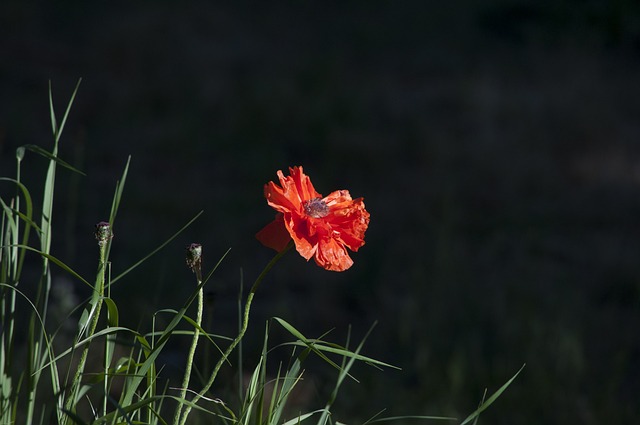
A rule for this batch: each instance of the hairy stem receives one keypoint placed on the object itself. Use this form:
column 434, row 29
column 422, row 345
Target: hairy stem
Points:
column 192, row 351
column 96, row 304
column 236, row 341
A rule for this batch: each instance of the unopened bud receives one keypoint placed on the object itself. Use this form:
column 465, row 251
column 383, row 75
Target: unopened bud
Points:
column 194, row 256
column 103, row 232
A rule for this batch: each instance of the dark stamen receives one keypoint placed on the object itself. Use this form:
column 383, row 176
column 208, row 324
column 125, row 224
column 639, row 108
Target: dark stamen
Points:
column 316, row 208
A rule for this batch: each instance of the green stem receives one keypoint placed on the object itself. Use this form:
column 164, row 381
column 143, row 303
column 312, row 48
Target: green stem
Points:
column 192, row 351
column 109, row 343
column 97, row 302
column 243, row 329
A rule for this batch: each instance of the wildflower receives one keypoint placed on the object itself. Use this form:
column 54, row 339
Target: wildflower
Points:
column 321, row 228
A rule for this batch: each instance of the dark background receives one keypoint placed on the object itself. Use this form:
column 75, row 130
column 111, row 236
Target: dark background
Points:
column 495, row 143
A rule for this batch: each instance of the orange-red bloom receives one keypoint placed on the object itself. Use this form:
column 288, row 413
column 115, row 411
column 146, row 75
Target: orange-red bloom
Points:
column 321, row 228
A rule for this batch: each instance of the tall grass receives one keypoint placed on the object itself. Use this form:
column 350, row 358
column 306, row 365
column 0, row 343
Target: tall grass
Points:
column 44, row 377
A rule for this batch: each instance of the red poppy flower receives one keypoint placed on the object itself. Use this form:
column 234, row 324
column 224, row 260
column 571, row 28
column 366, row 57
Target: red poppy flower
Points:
column 322, row 228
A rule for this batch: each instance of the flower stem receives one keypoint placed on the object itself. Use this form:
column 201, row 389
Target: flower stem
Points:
column 243, row 329
column 192, row 350
column 94, row 315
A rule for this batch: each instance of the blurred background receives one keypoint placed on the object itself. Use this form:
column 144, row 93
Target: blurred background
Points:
column 495, row 144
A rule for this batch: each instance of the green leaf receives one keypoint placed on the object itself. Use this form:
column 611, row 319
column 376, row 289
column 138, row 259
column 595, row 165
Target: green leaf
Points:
column 117, row 197
column 418, row 417
column 309, row 344
column 59, row 263
column 57, row 131
column 52, row 112
column 84, row 320
column 491, row 399
column 27, row 217
column 321, row 346
column 113, row 312
column 79, row 344
column 301, row 418
column 52, row 157
column 123, row 410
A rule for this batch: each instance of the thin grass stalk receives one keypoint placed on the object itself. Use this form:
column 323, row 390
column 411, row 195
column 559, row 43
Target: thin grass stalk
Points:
column 153, row 407
column 256, row 385
column 240, row 345
column 11, row 260
column 194, row 260
column 28, row 214
column 5, row 338
column 15, row 261
column 44, row 287
column 109, row 343
column 251, row 394
column 15, row 277
column 32, row 374
column 243, row 329
column 263, row 382
column 104, row 236
column 262, row 379
column 8, row 275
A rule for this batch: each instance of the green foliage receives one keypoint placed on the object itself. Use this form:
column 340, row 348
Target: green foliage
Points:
column 47, row 379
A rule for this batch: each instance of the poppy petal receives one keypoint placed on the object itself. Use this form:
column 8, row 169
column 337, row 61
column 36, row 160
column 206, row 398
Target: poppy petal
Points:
column 349, row 219
column 279, row 199
column 305, row 188
column 275, row 235
column 306, row 244
column 331, row 255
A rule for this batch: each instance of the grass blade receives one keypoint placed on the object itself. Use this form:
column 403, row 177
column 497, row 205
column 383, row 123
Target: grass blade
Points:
column 52, row 157
column 491, row 399
column 165, row 243
column 58, row 131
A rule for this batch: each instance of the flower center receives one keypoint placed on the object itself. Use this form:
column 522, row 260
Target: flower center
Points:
column 316, row 208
